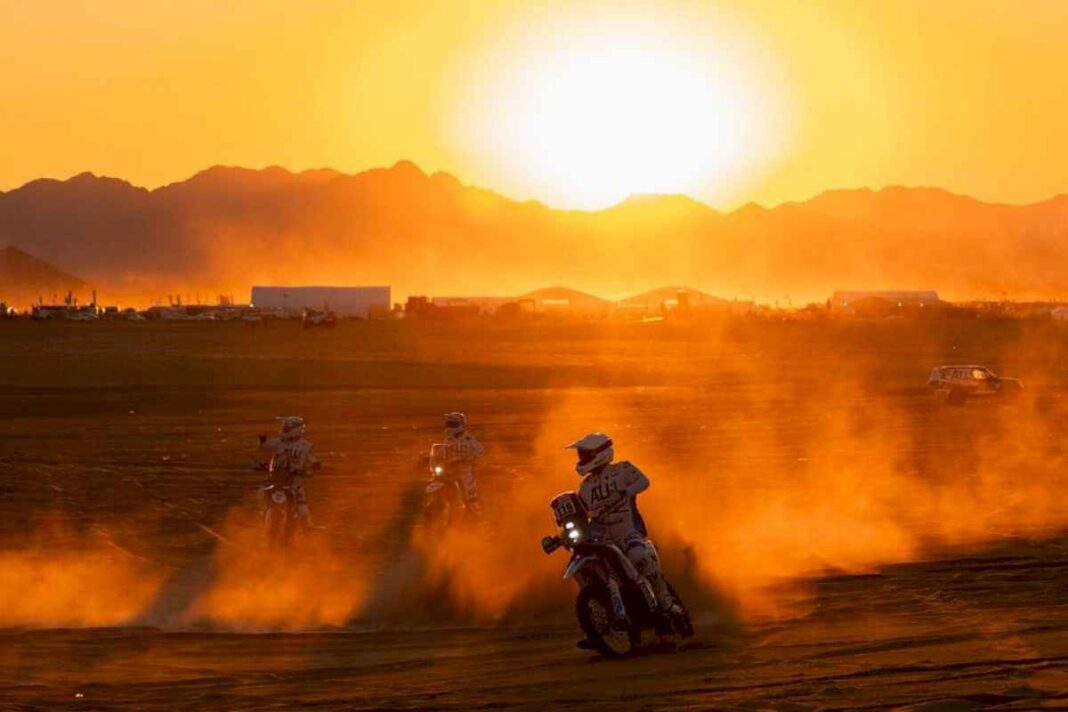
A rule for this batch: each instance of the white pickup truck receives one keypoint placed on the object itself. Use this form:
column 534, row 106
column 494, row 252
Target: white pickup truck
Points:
column 956, row 384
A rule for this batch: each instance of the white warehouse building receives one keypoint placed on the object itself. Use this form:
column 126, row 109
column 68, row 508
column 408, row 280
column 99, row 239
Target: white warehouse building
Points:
column 343, row 301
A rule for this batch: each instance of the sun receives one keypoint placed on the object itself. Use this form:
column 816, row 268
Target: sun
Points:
column 588, row 115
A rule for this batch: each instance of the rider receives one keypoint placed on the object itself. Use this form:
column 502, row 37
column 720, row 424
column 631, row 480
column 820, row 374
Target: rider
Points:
column 461, row 450
column 610, row 491
column 291, row 460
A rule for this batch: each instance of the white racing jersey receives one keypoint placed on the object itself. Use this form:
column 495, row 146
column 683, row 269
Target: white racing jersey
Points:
column 610, row 496
column 465, row 449
column 461, row 453
column 291, row 457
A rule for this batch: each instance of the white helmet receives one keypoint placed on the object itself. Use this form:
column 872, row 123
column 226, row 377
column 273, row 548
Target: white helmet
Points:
column 455, row 423
column 594, row 451
column 292, row 426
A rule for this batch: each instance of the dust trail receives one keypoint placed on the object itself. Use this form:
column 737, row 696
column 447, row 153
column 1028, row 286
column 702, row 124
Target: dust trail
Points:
column 776, row 474
column 495, row 572
column 52, row 582
column 869, row 478
column 256, row 588
column 311, row 584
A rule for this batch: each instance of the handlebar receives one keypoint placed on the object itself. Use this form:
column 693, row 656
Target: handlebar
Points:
column 549, row 544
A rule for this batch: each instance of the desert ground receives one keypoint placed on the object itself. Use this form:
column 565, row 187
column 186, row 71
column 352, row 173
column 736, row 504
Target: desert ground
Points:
column 844, row 540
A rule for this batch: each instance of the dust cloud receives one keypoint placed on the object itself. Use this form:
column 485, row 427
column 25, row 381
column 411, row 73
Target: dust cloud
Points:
column 762, row 475
column 51, row 582
column 311, row 584
column 788, row 476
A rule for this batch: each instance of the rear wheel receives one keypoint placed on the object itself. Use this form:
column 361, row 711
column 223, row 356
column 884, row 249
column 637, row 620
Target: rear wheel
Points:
column 680, row 621
column 594, row 611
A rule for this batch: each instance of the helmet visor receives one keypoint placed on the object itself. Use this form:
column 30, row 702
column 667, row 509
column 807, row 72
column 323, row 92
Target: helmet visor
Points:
column 586, row 455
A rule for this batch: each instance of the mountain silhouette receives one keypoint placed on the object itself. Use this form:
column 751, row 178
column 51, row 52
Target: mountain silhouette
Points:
column 24, row 279
column 227, row 228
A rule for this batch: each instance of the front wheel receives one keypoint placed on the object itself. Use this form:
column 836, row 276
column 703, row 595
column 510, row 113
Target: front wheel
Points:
column 594, row 611
column 437, row 513
column 276, row 527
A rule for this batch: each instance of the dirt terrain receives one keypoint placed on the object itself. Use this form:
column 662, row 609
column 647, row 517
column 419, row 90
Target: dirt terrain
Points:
column 845, row 540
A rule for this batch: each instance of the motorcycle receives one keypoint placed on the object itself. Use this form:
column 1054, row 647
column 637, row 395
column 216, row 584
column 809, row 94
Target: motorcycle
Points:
column 443, row 499
column 615, row 601
column 279, row 515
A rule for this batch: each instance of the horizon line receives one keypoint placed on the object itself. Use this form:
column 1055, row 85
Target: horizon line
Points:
column 521, row 201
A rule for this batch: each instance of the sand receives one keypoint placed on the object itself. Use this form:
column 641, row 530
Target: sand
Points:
column 845, row 540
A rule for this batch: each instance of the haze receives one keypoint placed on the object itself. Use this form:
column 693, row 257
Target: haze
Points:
column 766, row 103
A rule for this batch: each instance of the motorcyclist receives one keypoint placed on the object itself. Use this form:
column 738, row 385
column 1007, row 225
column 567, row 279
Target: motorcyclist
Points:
column 292, row 460
column 609, row 490
column 461, row 450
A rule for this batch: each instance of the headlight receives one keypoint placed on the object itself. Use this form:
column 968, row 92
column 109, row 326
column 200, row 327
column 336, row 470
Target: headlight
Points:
column 569, row 525
column 438, row 469
column 574, row 535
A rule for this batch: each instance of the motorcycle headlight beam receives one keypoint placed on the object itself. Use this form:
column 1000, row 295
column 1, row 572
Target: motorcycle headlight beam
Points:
column 574, row 535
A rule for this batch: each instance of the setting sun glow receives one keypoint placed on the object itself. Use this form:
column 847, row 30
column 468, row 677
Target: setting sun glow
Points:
column 596, row 114
column 571, row 104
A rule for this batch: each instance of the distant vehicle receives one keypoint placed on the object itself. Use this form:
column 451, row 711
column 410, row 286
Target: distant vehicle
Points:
column 956, row 384
column 69, row 312
column 313, row 317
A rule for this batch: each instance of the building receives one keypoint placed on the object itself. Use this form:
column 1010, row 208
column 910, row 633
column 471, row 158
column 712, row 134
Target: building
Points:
column 483, row 305
column 460, row 307
column 882, row 303
column 345, row 302
column 680, row 301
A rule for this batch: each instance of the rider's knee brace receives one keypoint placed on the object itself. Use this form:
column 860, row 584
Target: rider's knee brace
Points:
column 642, row 554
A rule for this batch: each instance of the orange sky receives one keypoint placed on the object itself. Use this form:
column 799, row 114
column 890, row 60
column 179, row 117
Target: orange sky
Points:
column 766, row 102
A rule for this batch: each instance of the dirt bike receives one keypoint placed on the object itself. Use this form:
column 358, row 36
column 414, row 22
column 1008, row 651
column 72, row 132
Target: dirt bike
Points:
column 443, row 499
column 281, row 518
column 615, row 601
column 279, row 515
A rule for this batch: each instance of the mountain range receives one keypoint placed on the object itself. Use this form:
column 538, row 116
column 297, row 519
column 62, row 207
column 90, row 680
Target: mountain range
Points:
column 224, row 229
column 24, row 279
